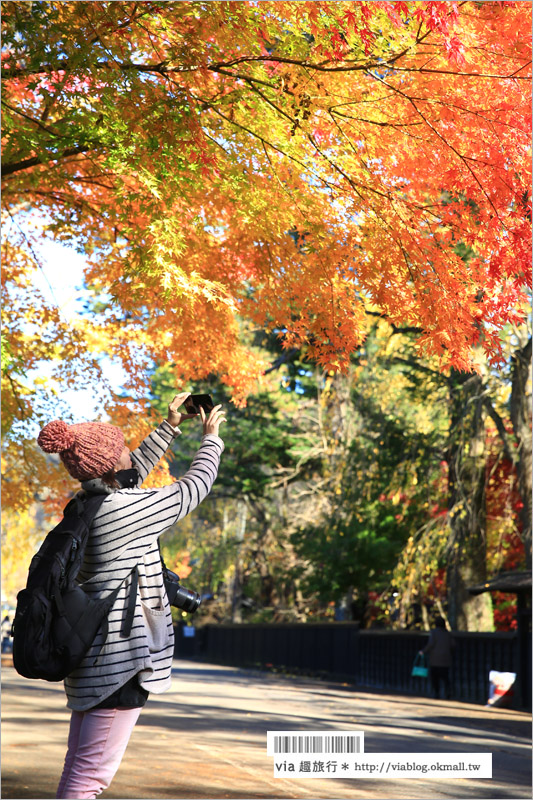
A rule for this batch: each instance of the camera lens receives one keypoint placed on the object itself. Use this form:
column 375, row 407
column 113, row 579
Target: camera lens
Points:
column 185, row 599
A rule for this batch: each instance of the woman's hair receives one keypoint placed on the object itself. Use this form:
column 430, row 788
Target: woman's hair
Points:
column 440, row 623
column 110, row 479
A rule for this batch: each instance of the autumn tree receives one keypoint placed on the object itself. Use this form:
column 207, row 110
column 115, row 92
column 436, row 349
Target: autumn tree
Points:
column 286, row 167
column 288, row 163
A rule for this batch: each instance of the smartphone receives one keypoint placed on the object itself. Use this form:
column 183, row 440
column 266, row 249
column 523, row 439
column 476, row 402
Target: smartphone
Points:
column 195, row 401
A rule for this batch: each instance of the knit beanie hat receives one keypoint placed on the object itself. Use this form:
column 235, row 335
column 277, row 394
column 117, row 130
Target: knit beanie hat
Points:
column 87, row 449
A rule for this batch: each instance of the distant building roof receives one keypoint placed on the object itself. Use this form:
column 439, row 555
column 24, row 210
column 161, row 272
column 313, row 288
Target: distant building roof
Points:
column 505, row 582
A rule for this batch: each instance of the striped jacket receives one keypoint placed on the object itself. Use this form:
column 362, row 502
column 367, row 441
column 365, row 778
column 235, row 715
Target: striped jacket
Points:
column 124, row 534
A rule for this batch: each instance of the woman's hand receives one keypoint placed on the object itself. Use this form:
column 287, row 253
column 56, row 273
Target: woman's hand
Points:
column 212, row 422
column 174, row 417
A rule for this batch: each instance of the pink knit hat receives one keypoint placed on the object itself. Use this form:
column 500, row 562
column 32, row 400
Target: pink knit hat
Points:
column 87, row 449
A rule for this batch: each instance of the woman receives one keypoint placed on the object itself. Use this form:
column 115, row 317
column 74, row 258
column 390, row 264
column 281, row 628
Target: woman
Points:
column 440, row 649
column 107, row 691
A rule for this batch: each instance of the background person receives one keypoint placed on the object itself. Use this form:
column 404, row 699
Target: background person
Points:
column 6, row 634
column 107, row 691
column 439, row 650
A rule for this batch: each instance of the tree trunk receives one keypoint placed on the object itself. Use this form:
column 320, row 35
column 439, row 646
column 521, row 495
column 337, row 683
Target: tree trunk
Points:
column 236, row 601
column 521, row 419
column 466, row 505
column 236, row 595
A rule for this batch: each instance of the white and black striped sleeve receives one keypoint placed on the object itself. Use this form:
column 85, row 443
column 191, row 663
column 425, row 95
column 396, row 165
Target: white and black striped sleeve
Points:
column 199, row 478
column 135, row 518
column 153, row 448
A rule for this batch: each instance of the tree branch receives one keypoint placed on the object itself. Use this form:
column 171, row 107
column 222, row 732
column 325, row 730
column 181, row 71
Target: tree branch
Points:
column 36, row 122
column 284, row 358
column 512, row 76
column 411, row 362
column 161, row 68
column 498, row 421
column 395, row 328
column 18, row 166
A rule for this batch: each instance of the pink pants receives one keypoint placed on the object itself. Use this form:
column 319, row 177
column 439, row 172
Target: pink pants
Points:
column 96, row 743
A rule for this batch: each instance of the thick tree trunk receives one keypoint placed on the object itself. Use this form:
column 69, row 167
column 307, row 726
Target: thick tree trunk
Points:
column 236, row 595
column 521, row 419
column 466, row 504
column 236, row 601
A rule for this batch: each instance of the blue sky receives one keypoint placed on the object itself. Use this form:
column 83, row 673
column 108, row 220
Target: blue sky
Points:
column 60, row 279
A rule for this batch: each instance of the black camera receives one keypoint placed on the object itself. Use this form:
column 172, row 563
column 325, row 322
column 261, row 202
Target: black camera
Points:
column 178, row 595
column 193, row 403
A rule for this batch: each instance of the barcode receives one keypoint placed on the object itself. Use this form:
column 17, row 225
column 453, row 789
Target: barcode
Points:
column 317, row 744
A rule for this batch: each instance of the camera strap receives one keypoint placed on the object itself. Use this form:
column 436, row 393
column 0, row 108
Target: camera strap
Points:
column 164, row 567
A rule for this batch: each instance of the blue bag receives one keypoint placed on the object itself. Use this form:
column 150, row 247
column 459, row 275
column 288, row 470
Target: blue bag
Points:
column 420, row 669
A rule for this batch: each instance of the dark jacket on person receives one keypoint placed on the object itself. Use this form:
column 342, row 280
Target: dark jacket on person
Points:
column 439, row 648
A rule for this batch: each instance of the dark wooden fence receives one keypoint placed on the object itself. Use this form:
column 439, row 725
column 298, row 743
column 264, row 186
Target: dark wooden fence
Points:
column 374, row 659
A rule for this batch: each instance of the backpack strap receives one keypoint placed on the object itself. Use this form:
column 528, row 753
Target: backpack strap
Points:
column 128, row 620
column 130, row 611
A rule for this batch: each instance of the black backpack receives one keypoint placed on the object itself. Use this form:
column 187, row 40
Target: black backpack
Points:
column 56, row 621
